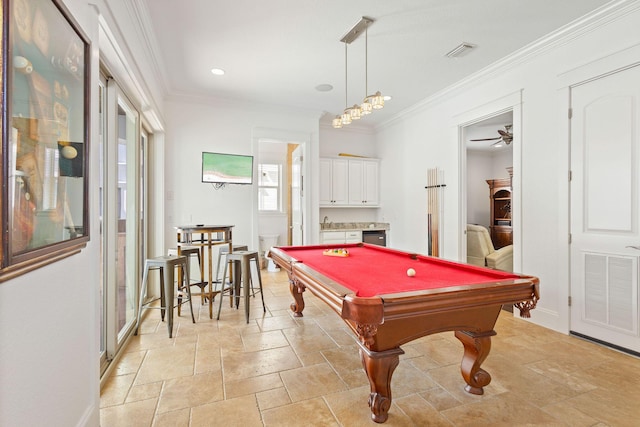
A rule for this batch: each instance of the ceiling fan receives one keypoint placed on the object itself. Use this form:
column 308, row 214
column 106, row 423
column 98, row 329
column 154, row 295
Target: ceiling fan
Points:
column 505, row 135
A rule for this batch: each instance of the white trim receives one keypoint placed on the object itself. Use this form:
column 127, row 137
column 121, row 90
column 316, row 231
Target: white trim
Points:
column 140, row 13
column 114, row 55
column 597, row 18
column 510, row 102
column 203, row 99
column 589, row 71
column 261, row 134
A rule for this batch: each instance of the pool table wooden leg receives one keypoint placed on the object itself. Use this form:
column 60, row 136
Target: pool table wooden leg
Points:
column 296, row 292
column 476, row 349
column 379, row 366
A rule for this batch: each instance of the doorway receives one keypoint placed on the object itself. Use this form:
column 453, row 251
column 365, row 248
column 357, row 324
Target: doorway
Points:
column 489, row 190
column 281, row 212
column 509, row 105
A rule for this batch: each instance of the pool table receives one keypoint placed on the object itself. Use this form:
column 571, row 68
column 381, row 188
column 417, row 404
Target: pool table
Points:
column 386, row 307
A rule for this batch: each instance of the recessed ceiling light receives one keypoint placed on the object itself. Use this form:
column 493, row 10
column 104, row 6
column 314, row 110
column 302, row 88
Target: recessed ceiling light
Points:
column 217, row 71
column 325, row 87
column 387, row 97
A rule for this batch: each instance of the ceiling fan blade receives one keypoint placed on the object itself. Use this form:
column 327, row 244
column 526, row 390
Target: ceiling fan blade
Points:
column 505, row 134
column 487, row 139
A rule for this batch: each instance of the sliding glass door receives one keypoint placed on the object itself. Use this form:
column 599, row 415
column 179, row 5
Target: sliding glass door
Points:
column 122, row 211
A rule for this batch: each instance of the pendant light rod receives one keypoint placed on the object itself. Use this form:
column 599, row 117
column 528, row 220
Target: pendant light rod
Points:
column 366, row 60
column 345, row 77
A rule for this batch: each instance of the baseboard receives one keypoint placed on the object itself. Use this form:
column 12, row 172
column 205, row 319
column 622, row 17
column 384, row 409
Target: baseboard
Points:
column 605, row 344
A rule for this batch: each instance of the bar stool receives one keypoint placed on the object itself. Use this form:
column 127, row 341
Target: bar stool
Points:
column 244, row 258
column 223, row 251
column 166, row 265
column 189, row 251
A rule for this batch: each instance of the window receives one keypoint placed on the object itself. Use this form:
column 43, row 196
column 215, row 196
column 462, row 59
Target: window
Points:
column 269, row 187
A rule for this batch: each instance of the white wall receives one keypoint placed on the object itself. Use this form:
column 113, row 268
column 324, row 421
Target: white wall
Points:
column 196, row 127
column 481, row 166
column 356, row 140
column 49, row 370
column 427, row 137
column 49, row 318
column 352, row 139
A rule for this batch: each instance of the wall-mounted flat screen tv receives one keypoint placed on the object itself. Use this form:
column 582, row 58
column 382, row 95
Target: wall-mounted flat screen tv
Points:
column 221, row 168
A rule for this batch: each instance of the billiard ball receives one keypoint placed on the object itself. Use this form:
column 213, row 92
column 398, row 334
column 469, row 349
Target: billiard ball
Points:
column 411, row 272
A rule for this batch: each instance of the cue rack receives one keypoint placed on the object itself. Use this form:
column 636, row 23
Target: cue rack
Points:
column 435, row 209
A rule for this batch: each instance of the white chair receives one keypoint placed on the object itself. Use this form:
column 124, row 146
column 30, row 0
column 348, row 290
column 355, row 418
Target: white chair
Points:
column 480, row 250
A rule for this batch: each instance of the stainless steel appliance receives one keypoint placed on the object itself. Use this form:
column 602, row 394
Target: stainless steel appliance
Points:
column 375, row 237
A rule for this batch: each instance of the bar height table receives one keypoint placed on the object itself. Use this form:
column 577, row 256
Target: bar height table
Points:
column 207, row 237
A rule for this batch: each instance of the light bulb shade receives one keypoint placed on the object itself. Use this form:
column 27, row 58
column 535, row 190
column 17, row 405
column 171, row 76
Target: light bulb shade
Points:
column 356, row 112
column 337, row 122
column 346, row 117
column 366, row 107
column 377, row 101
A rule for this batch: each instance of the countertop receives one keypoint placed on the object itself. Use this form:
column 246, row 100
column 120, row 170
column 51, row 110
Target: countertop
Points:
column 351, row 226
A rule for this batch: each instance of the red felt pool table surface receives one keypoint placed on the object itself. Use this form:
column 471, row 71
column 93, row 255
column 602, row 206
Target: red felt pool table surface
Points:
column 374, row 270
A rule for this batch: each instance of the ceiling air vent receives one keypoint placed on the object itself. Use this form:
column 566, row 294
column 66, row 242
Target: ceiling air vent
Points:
column 460, row 50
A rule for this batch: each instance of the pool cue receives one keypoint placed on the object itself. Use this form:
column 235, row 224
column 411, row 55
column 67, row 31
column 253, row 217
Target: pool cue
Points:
column 429, row 219
column 436, row 228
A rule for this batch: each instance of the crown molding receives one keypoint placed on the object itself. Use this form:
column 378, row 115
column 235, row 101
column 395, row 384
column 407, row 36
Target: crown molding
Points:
column 600, row 17
column 235, row 103
column 119, row 58
column 141, row 16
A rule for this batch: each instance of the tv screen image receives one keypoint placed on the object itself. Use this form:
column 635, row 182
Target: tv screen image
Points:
column 221, row 168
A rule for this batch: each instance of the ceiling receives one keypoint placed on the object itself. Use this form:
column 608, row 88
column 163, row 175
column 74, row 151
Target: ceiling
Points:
column 275, row 53
column 488, row 129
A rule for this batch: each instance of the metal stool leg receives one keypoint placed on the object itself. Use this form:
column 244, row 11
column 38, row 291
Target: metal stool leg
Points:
column 222, row 291
column 143, row 287
column 167, row 301
column 246, row 285
column 257, row 260
column 187, row 284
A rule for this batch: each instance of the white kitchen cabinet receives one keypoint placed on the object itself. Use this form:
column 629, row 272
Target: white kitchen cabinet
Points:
column 341, row 237
column 349, row 182
column 364, row 180
column 334, row 185
column 354, row 236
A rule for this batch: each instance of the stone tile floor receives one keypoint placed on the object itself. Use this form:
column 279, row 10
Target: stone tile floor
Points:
column 281, row 371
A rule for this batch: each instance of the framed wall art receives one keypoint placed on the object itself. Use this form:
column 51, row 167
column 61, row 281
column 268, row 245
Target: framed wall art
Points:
column 45, row 135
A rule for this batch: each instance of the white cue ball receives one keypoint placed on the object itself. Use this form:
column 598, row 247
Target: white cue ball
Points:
column 411, row 272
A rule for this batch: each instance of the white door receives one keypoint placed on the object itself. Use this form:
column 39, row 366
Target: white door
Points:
column 326, row 180
column 356, row 182
column 371, row 180
column 605, row 203
column 339, row 181
column 297, row 197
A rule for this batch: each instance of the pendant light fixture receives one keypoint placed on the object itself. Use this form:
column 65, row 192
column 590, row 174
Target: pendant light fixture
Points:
column 366, row 106
column 371, row 102
column 346, row 114
column 375, row 101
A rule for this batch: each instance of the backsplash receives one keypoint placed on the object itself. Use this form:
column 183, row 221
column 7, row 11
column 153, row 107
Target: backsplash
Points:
column 354, row 225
